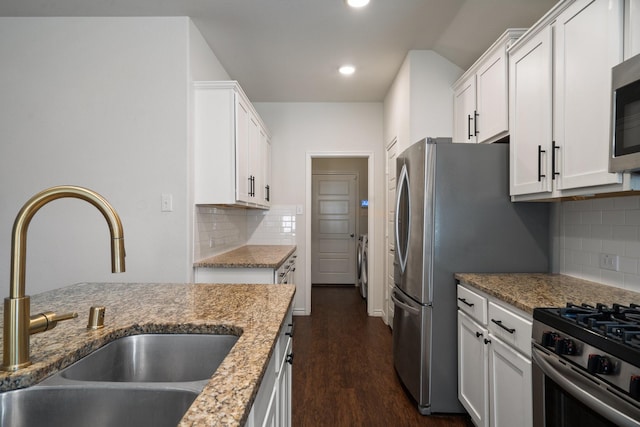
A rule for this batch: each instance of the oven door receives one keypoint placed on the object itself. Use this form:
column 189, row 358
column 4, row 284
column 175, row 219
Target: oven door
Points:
column 563, row 396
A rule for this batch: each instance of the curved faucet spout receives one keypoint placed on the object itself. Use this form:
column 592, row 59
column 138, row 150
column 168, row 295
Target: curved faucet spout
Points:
column 21, row 225
column 18, row 322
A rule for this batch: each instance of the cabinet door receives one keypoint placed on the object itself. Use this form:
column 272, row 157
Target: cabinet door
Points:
column 632, row 28
column 473, row 378
column 492, row 86
column 509, row 386
column 243, row 182
column 464, row 109
column 255, row 164
column 265, row 188
column 284, row 388
column 530, row 86
column 582, row 104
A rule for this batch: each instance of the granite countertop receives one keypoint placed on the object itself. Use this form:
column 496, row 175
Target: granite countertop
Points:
column 528, row 291
column 250, row 256
column 254, row 312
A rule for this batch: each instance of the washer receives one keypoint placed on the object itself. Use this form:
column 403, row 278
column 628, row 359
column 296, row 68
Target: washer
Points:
column 364, row 265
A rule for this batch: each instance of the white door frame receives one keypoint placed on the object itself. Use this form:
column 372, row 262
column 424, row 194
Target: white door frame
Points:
column 373, row 238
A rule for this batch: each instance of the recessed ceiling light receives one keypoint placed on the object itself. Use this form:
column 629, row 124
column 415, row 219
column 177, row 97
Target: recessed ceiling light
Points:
column 357, row 3
column 347, row 70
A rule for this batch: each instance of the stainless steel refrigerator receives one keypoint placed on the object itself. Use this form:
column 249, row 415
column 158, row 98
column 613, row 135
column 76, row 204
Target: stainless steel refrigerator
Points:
column 453, row 215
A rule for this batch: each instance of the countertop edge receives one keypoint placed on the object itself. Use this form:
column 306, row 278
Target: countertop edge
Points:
column 239, row 257
column 527, row 291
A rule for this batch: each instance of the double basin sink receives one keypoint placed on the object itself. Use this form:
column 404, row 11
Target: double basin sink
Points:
column 139, row 380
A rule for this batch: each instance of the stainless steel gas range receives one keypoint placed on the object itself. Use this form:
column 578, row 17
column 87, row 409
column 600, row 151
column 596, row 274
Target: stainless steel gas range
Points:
column 586, row 366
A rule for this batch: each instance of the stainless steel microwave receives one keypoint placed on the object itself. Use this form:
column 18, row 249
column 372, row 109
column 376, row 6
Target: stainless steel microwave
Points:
column 625, row 116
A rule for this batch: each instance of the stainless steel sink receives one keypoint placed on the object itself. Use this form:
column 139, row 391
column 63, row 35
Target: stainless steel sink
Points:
column 154, row 358
column 140, row 380
column 94, row 406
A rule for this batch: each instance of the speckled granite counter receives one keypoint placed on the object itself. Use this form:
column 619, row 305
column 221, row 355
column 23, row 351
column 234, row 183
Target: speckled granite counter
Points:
column 250, row 256
column 255, row 312
column 527, row 291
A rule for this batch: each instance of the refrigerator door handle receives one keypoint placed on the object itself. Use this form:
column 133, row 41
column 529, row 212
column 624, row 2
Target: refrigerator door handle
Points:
column 403, row 246
column 404, row 306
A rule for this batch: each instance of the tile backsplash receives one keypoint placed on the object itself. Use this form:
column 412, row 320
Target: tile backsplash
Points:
column 219, row 229
column 590, row 228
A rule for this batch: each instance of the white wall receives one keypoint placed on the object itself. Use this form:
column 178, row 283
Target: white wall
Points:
column 419, row 103
column 101, row 103
column 431, row 94
column 351, row 129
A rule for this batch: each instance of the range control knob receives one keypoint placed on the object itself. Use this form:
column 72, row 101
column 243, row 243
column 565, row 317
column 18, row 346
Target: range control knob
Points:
column 599, row 364
column 565, row 346
column 548, row 339
column 634, row 387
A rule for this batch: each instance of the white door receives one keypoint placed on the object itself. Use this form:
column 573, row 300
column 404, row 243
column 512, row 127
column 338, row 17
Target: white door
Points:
column 333, row 241
column 389, row 236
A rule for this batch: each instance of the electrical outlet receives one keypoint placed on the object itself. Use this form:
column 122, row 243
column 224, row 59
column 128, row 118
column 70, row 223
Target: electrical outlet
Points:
column 609, row 262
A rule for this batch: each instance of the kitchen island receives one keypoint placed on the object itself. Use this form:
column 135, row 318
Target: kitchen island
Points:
column 254, row 312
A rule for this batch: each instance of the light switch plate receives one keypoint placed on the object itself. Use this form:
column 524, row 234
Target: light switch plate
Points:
column 167, row 203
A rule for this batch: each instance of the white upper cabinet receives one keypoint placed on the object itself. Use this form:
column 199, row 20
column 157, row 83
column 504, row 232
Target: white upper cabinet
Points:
column 631, row 28
column 231, row 159
column 264, row 191
column 464, row 110
column 481, row 95
column 530, row 80
column 582, row 107
column 560, row 102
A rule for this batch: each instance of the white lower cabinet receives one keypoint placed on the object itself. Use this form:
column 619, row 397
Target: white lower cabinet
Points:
column 509, row 386
column 494, row 361
column 472, row 369
column 272, row 406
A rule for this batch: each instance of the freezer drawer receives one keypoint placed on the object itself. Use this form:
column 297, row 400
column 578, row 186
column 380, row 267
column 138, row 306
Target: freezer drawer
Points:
column 412, row 347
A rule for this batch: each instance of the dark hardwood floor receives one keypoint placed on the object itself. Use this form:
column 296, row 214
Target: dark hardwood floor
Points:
column 343, row 371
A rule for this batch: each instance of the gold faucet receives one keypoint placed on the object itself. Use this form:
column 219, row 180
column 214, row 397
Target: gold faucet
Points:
column 18, row 322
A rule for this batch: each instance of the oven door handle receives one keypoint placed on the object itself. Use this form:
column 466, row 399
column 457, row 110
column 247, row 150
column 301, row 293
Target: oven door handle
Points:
column 586, row 391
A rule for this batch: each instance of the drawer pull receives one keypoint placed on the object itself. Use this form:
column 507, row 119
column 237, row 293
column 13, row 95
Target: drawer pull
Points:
column 290, row 332
column 467, row 303
column 478, row 334
column 487, row 341
column 290, row 358
column 499, row 323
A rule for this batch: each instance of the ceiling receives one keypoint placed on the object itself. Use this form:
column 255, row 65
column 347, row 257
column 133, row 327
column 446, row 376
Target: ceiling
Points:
column 289, row 50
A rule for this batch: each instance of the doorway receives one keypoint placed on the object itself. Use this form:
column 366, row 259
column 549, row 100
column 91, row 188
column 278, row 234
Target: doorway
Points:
column 337, row 201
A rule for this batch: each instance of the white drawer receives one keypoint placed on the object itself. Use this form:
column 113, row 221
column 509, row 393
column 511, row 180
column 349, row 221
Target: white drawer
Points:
column 473, row 304
column 510, row 328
